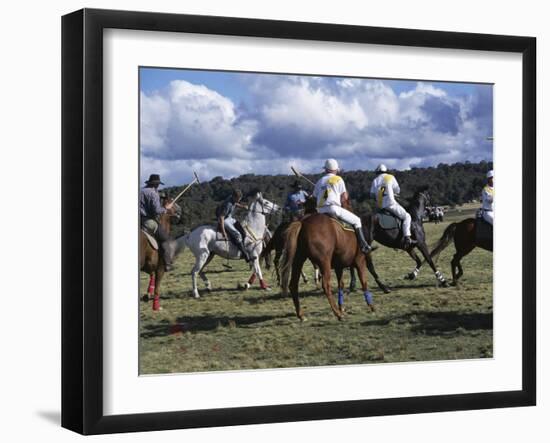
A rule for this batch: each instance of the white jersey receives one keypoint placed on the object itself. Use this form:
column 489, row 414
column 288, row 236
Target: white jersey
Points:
column 384, row 187
column 328, row 190
column 487, row 196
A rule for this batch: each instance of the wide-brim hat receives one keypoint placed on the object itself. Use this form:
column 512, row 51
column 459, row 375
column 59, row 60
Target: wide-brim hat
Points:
column 154, row 179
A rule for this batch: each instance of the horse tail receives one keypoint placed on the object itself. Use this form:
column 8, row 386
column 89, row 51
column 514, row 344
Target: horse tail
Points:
column 181, row 243
column 289, row 251
column 444, row 241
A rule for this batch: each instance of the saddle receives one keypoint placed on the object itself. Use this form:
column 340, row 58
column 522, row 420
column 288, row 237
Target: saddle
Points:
column 345, row 226
column 483, row 232
column 149, row 227
column 387, row 221
column 152, row 240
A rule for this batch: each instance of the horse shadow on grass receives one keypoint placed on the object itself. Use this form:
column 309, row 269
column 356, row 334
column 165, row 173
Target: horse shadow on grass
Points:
column 203, row 323
column 263, row 297
column 439, row 323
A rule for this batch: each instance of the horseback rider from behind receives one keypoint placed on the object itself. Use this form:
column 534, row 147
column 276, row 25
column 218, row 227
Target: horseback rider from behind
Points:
column 384, row 188
column 226, row 222
column 150, row 211
column 295, row 202
column 331, row 194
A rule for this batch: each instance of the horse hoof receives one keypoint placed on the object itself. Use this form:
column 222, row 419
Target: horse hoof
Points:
column 267, row 288
column 145, row 298
column 386, row 290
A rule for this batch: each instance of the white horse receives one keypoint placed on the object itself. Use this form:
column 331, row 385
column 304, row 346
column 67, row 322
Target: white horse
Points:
column 205, row 242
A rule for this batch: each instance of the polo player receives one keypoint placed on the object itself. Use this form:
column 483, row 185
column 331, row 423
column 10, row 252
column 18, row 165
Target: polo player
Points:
column 150, row 211
column 295, row 201
column 384, row 188
column 331, row 194
column 226, row 221
column 487, row 197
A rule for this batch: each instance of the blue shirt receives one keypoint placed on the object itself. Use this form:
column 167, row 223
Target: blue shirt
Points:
column 294, row 199
column 226, row 209
column 149, row 203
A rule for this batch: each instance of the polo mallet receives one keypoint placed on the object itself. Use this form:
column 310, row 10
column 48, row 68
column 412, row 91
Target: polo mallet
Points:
column 300, row 175
column 196, row 179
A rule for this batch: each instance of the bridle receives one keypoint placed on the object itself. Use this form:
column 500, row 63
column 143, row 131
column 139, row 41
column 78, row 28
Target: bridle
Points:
column 260, row 201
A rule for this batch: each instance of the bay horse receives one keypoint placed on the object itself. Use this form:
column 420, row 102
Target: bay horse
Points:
column 205, row 242
column 150, row 261
column 464, row 235
column 322, row 240
column 393, row 238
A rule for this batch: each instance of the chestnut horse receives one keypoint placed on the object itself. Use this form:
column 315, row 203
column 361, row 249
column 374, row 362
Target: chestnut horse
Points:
column 150, row 261
column 322, row 240
column 464, row 235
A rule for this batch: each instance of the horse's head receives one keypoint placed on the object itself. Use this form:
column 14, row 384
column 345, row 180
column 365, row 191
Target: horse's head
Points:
column 262, row 205
column 422, row 196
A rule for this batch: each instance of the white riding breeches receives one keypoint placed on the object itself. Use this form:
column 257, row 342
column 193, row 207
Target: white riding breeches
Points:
column 341, row 214
column 397, row 210
column 488, row 216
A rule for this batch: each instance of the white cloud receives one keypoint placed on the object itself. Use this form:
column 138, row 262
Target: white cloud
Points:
column 191, row 121
column 303, row 120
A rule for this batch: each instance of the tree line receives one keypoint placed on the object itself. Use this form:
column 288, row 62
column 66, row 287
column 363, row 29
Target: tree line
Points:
column 448, row 185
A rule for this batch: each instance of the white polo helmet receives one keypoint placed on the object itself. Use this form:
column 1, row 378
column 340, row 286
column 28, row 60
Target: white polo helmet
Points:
column 381, row 168
column 490, row 174
column 331, row 165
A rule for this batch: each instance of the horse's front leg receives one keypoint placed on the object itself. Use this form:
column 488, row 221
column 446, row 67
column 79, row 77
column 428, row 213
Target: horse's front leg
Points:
column 150, row 288
column 158, row 277
column 412, row 275
column 372, row 270
column 258, row 272
column 352, row 280
column 424, row 250
column 360, row 266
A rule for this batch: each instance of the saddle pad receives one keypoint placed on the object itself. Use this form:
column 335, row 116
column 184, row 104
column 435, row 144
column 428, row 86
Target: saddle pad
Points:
column 387, row 221
column 345, row 226
column 152, row 240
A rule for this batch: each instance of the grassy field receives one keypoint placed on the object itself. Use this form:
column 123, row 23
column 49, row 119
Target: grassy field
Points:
column 229, row 329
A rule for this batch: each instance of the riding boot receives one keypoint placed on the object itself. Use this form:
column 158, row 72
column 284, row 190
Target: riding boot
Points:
column 167, row 256
column 363, row 245
column 244, row 252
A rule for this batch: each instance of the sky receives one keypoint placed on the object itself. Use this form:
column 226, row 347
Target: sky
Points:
column 229, row 123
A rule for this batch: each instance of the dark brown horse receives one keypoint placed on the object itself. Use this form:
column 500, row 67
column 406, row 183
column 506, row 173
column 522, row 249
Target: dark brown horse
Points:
column 322, row 240
column 150, row 261
column 392, row 237
column 464, row 235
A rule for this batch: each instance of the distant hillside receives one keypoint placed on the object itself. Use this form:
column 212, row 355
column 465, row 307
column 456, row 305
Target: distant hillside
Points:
column 448, row 185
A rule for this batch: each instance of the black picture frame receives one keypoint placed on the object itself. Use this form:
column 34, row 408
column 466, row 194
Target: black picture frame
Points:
column 82, row 280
